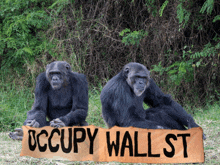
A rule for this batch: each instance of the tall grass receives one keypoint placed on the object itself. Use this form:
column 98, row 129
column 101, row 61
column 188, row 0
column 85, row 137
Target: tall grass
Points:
column 14, row 103
column 95, row 111
column 15, row 100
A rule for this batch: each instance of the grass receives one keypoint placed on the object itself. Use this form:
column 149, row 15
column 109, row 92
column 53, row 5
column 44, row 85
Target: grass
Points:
column 14, row 103
column 209, row 120
column 95, row 109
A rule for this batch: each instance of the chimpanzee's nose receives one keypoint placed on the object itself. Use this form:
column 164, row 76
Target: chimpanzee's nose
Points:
column 55, row 78
column 141, row 82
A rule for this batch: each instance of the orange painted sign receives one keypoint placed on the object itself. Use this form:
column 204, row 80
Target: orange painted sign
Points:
column 131, row 145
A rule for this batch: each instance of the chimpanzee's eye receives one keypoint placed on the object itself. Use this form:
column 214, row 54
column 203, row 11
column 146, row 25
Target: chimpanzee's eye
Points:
column 59, row 75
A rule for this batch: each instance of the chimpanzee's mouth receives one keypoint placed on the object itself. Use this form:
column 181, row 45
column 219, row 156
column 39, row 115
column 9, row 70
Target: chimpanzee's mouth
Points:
column 55, row 83
column 139, row 90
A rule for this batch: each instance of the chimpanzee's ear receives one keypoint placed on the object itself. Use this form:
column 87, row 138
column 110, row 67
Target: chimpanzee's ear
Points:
column 126, row 71
column 68, row 67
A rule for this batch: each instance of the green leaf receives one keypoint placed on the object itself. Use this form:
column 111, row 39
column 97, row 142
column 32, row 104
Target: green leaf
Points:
column 172, row 72
column 207, row 6
column 198, row 64
column 163, row 7
column 182, row 69
column 217, row 18
column 28, row 50
column 124, row 31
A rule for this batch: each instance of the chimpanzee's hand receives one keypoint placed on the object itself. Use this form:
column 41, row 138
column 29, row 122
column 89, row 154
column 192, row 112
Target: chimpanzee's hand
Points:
column 57, row 123
column 17, row 135
column 32, row 123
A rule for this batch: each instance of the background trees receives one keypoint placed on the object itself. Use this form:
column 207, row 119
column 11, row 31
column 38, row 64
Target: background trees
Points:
column 179, row 41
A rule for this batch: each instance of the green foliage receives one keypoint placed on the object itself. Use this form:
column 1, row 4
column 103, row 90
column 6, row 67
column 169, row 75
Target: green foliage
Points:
column 58, row 5
column 184, row 70
column 159, row 68
column 152, row 8
column 21, row 22
column 217, row 18
column 177, row 72
column 180, row 71
column 132, row 38
column 84, row 33
column 182, row 14
column 207, row 51
column 207, row 6
column 163, row 7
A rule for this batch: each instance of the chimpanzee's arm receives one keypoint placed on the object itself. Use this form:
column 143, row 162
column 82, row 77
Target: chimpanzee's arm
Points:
column 156, row 98
column 39, row 108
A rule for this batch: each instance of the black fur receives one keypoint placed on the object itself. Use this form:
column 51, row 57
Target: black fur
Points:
column 155, row 98
column 165, row 110
column 69, row 104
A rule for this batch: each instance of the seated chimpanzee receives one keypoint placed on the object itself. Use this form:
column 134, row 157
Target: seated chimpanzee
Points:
column 122, row 102
column 122, row 98
column 61, row 96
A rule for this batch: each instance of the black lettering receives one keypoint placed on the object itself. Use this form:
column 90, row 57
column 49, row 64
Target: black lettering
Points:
column 166, row 153
column 66, row 150
column 129, row 146
column 42, row 149
column 184, row 143
column 78, row 140
column 136, row 154
column 110, row 146
column 53, row 149
column 149, row 147
column 31, row 147
column 91, row 138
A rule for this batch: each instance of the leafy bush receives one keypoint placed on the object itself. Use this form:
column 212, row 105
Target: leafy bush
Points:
column 180, row 38
column 21, row 22
column 132, row 38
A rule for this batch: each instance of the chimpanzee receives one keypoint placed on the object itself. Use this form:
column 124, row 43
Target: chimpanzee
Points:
column 61, row 96
column 123, row 96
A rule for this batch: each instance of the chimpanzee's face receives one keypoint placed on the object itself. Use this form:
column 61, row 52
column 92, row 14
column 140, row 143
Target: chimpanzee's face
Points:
column 137, row 77
column 57, row 73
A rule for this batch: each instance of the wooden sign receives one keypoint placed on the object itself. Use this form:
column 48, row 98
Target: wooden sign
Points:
column 120, row 144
